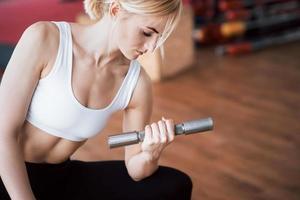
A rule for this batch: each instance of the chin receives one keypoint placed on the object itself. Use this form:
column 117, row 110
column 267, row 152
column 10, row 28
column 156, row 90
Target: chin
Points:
column 130, row 56
column 135, row 56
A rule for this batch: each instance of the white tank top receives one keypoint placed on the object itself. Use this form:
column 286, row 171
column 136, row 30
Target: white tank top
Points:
column 54, row 108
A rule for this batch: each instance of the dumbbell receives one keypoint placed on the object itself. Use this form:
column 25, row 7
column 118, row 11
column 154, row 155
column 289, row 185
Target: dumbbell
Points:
column 185, row 128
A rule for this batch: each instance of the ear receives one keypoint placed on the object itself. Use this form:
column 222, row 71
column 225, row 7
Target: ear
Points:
column 114, row 8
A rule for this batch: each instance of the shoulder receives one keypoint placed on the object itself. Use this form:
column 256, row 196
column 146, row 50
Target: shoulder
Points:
column 42, row 36
column 143, row 90
column 40, row 40
column 40, row 32
column 35, row 49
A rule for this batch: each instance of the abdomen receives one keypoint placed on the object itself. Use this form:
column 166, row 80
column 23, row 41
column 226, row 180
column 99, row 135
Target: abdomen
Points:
column 38, row 146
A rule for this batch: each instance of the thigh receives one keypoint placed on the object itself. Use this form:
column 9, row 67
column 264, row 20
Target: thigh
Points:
column 48, row 181
column 109, row 180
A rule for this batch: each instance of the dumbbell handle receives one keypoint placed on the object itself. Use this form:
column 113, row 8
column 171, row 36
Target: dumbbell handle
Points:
column 184, row 128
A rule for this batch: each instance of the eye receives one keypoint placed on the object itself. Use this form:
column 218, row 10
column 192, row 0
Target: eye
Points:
column 147, row 34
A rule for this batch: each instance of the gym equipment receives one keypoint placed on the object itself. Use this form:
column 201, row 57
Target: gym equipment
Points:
column 184, row 128
column 250, row 46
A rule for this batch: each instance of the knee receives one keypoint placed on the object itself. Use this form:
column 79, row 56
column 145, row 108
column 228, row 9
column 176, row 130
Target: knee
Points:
column 165, row 184
column 177, row 179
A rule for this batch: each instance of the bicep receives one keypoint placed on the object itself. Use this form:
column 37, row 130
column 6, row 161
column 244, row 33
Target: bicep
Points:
column 20, row 78
column 139, row 112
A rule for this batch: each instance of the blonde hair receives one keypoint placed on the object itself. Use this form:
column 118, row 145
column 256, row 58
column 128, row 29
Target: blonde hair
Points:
column 96, row 9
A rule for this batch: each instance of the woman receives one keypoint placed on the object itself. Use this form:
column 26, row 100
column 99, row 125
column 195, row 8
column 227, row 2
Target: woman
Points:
column 61, row 85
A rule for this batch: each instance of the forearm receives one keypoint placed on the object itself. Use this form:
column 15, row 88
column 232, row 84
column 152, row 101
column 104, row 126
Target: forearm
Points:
column 12, row 170
column 141, row 166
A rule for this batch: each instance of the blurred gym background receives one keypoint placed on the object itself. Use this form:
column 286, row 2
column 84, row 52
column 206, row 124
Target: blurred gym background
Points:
column 236, row 61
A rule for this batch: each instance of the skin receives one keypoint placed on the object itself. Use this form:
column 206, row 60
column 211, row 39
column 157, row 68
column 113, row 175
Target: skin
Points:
column 20, row 141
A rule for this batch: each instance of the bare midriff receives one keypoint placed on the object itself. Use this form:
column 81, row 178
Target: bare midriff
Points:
column 40, row 147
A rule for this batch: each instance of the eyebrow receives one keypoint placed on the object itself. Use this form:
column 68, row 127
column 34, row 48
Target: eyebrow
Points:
column 153, row 29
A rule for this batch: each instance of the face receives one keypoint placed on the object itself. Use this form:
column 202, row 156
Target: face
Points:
column 137, row 34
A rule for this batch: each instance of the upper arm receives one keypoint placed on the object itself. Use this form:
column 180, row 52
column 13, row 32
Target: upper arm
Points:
column 21, row 76
column 138, row 113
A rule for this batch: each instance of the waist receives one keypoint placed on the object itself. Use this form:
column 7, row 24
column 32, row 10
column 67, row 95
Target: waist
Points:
column 39, row 147
column 60, row 164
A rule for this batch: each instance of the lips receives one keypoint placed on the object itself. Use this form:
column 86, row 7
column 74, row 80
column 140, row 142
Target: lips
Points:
column 139, row 52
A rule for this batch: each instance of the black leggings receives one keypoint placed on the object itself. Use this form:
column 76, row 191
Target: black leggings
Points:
column 102, row 180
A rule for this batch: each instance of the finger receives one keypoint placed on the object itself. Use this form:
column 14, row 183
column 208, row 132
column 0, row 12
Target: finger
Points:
column 148, row 134
column 155, row 133
column 170, row 129
column 163, row 131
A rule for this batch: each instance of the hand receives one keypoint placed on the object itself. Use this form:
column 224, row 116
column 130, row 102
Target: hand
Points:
column 157, row 137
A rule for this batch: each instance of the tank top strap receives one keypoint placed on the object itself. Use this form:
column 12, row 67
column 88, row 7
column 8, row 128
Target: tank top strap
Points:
column 130, row 84
column 62, row 58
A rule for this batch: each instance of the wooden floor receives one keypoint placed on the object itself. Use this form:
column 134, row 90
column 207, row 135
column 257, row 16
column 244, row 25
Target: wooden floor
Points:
column 254, row 151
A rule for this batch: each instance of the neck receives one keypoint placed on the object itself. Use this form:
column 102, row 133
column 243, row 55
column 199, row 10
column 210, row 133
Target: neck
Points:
column 97, row 41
